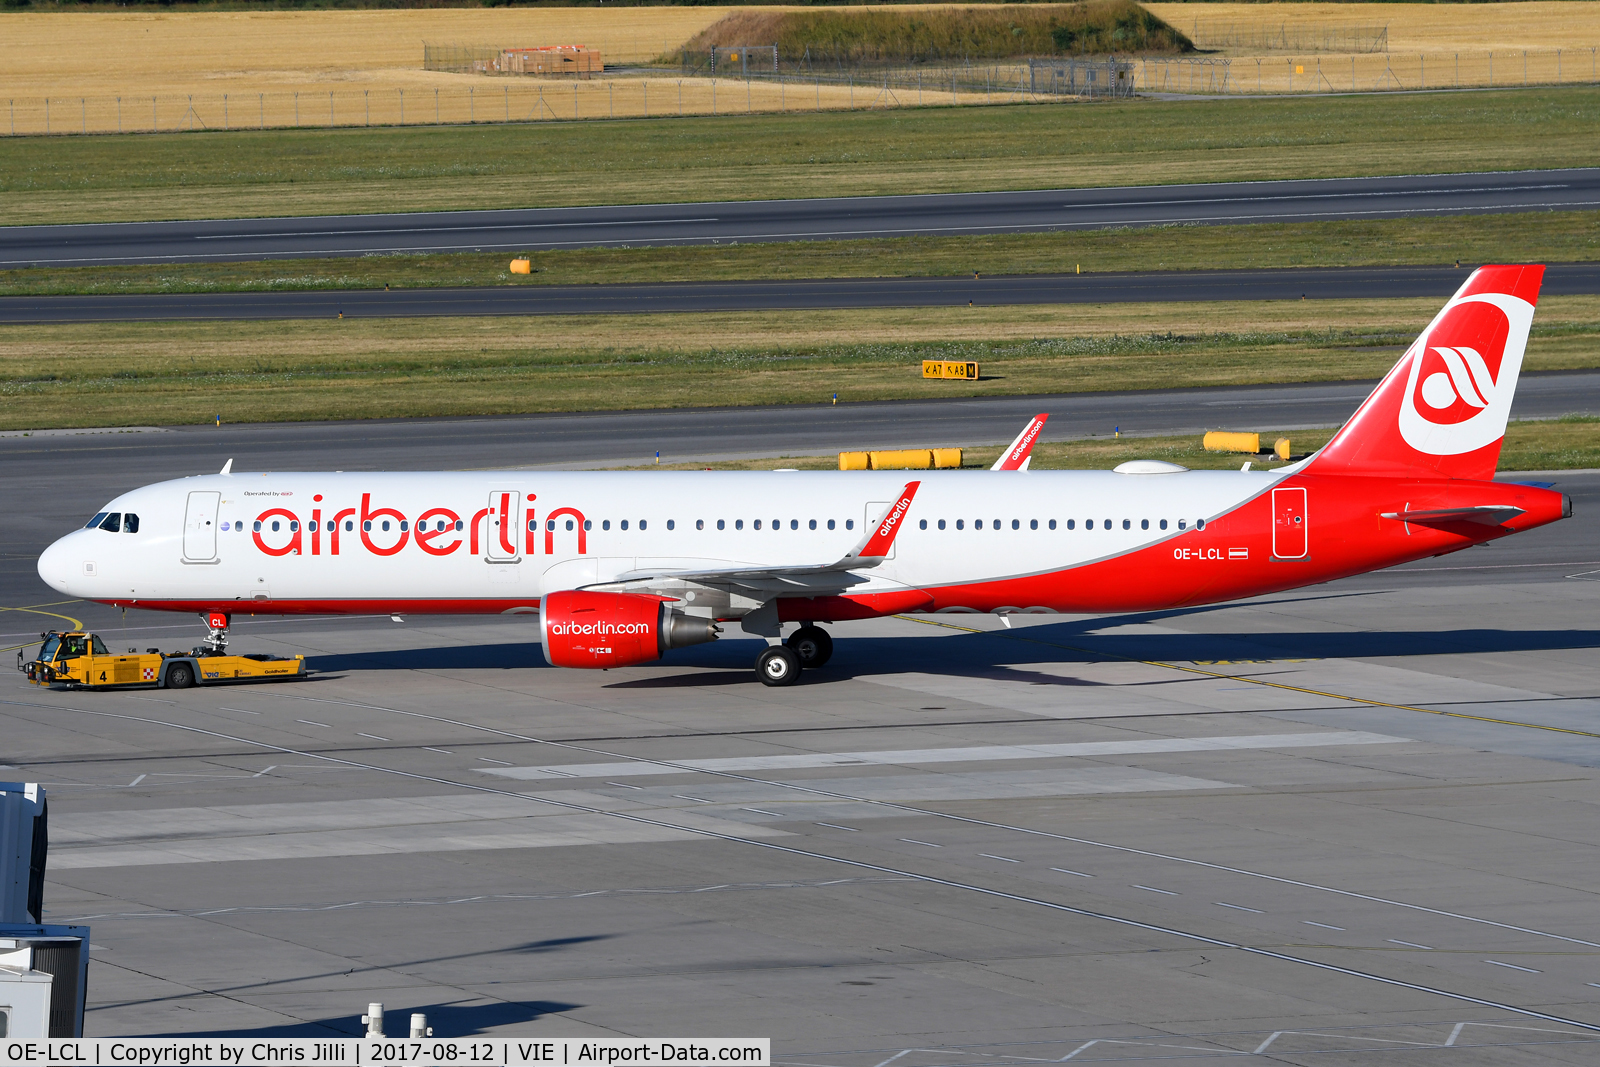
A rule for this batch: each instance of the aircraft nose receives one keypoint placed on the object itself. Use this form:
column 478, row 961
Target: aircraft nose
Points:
column 55, row 565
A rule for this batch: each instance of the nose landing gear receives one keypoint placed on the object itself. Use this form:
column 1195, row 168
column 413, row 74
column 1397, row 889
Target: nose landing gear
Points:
column 809, row 646
column 216, row 641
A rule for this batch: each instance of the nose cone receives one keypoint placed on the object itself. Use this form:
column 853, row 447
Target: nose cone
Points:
column 56, row 565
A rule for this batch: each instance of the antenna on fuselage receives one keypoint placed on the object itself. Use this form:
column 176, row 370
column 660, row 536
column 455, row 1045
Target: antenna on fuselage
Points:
column 227, row 468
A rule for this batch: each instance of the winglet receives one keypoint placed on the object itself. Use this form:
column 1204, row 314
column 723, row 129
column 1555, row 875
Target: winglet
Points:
column 882, row 538
column 227, row 468
column 1016, row 457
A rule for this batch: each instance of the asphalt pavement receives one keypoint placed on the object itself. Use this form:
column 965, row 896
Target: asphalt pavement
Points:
column 799, row 220
column 1343, row 283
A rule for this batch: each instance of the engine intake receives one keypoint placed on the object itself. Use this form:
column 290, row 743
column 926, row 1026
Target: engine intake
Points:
column 598, row 630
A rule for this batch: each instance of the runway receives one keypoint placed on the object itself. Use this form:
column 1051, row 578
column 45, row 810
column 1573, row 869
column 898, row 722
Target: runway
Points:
column 799, row 220
column 1135, row 838
column 1348, row 283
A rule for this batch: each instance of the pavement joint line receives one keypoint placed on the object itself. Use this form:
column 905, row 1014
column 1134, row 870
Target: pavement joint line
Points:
column 964, row 819
column 792, row 850
column 1014, row 636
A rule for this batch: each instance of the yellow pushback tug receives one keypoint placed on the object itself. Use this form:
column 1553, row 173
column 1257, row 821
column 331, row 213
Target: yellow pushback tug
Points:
column 76, row 659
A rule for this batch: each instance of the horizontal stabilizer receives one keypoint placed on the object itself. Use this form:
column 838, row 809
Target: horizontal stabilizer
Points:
column 1487, row 514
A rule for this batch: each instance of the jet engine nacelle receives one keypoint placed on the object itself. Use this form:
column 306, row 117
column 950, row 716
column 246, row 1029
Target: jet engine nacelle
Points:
column 599, row 630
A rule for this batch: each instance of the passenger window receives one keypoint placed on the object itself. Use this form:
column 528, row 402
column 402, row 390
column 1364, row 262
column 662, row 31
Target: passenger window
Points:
column 275, row 525
column 1144, row 524
column 1053, row 524
column 722, row 524
column 643, row 525
column 922, row 525
column 738, row 524
column 941, row 524
column 814, row 524
column 605, row 524
column 385, row 525
column 588, row 524
column 459, row 525
column 130, row 523
column 756, row 525
column 1107, row 524
column 366, row 525
column 794, row 524
column 961, row 524
column 1163, row 524
column 777, row 524
column 113, row 523
column 1127, row 524
column 533, row 525
column 1199, row 524
column 1033, row 524
column 349, row 524
column 570, row 525
column 699, row 524
column 1182, row 525
column 672, row 524
column 849, row 524
column 549, row 524
column 1015, row 525
column 96, row 521
column 623, row 525
column 830, row 524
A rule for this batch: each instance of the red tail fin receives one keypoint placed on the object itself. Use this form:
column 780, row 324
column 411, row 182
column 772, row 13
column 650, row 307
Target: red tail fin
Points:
column 1442, row 409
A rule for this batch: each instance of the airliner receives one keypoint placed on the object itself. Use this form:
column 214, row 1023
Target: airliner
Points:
column 622, row 567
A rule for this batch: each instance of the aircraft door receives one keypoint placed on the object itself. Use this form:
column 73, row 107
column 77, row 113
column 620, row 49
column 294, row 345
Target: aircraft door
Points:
column 200, row 526
column 1289, row 539
column 504, row 530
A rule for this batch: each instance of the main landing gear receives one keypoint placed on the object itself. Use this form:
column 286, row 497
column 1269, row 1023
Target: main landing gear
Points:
column 809, row 646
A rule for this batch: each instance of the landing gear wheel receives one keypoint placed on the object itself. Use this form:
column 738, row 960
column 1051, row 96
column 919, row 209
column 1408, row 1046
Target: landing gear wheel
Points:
column 812, row 644
column 181, row 676
column 778, row 665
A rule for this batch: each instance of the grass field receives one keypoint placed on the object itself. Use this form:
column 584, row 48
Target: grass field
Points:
column 1571, row 443
column 295, row 172
column 256, row 51
column 1549, row 237
column 1418, row 27
column 188, row 373
column 899, row 34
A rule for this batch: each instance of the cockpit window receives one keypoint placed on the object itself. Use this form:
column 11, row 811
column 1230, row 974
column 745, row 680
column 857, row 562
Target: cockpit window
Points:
column 113, row 523
column 96, row 521
column 130, row 523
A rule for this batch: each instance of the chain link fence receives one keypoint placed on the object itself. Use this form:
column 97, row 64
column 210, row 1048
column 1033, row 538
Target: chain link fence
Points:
column 651, row 94
column 1367, row 73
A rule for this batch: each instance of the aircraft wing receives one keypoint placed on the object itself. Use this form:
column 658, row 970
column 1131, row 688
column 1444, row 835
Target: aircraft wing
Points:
column 1020, row 453
column 1487, row 514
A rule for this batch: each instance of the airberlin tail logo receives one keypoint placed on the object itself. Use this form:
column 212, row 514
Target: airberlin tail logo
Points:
column 1463, row 374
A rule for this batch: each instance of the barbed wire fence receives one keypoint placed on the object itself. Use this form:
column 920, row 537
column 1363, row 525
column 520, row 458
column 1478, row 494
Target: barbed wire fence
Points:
column 667, row 92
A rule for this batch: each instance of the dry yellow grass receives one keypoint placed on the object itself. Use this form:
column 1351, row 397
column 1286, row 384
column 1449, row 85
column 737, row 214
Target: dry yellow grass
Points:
column 148, row 53
column 1420, row 27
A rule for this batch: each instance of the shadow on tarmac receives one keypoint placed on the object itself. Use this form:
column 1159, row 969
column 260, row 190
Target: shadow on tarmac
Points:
column 729, row 660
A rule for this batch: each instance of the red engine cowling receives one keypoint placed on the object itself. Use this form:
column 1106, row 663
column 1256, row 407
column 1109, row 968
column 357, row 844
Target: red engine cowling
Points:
column 599, row 630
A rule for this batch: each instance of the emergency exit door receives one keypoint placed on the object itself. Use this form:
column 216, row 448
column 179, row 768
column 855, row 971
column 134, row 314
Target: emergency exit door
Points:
column 504, row 526
column 200, row 526
column 1289, row 523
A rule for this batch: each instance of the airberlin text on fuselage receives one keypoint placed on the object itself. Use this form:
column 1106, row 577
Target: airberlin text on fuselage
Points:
column 383, row 531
